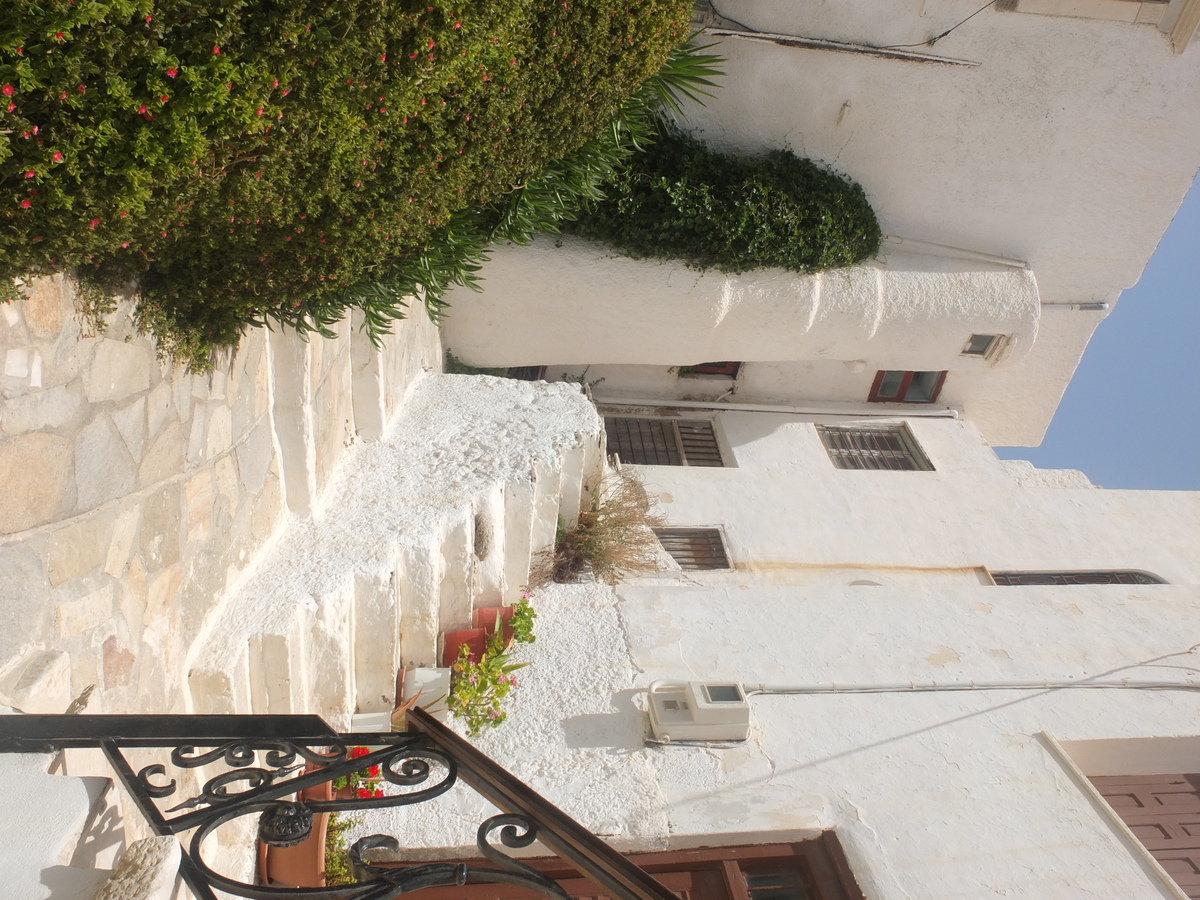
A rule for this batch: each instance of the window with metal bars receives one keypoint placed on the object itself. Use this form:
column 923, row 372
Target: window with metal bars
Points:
column 694, row 548
column 880, row 447
column 1117, row 576
column 663, row 441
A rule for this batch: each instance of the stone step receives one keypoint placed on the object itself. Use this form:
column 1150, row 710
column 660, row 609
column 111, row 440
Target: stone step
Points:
column 547, row 488
column 456, row 587
column 417, row 586
column 571, row 463
column 377, row 617
column 490, row 528
column 520, row 496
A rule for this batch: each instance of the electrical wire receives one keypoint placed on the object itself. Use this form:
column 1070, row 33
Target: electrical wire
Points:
column 927, row 43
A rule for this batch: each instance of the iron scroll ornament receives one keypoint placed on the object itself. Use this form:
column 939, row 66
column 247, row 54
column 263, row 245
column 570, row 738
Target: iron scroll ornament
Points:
column 272, row 761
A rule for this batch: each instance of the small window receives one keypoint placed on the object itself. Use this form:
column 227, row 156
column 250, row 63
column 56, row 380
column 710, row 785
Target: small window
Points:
column 1117, row 576
column 983, row 345
column 894, row 386
column 726, row 368
column 879, row 447
column 663, row 442
column 527, row 373
column 694, row 548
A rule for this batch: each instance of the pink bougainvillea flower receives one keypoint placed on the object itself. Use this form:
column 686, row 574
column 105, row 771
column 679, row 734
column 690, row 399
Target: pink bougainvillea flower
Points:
column 30, row 173
column 431, row 44
column 58, row 35
column 383, row 57
column 124, row 244
column 93, row 223
column 7, row 90
column 81, row 88
column 11, row 107
column 142, row 109
column 171, row 73
column 25, row 204
column 57, row 157
column 259, row 111
column 62, row 96
column 458, row 24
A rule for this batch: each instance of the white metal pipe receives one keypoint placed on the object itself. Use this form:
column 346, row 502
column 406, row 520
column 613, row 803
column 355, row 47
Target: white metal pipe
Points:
column 832, row 410
column 929, row 687
column 898, row 242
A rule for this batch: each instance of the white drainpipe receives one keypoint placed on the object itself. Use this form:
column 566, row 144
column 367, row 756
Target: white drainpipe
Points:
column 891, row 412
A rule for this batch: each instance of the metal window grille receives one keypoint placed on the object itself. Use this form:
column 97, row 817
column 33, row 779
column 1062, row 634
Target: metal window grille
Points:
column 875, row 447
column 663, row 441
column 1022, row 579
column 694, row 548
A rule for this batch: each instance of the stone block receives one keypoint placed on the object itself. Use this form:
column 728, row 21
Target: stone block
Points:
column 117, row 663
column 123, row 532
column 195, row 445
column 49, row 408
column 84, row 613
column 77, row 549
column 254, row 457
column 131, row 425
column 23, row 588
column 226, row 475
column 160, row 407
column 198, row 493
column 146, row 871
column 164, row 458
column 117, row 370
column 103, row 470
column 35, row 473
column 16, row 363
column 160, row 591
column 43, row 305
column 41, row 683
column 219, row 430
column 160, row 531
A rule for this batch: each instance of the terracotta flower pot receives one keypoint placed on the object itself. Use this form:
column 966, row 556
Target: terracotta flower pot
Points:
column 303, row 864
column 475, row 638
column 487, row 617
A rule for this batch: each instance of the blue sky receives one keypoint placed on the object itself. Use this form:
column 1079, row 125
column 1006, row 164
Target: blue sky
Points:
column 1131, row 415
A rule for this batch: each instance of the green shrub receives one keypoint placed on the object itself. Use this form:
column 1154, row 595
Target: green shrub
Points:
column 301, row 147
column 679, row 199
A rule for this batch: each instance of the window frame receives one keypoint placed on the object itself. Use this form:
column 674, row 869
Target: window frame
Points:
column 906, row 380
column 703, row 456
column 910, row 447
column 709, row 531
column 1002, row 579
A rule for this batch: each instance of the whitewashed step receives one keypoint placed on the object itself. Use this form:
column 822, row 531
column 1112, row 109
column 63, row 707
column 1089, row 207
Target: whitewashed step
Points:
column 547, row 491
column 571, row 490
column 44, row 818
column 520, row 497
column 491, row 587
column 377, row 617
column 417, row 584
column 457, row 584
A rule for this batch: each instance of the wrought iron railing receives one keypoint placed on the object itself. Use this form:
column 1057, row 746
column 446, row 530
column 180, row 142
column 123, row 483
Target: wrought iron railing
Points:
column 269, row 760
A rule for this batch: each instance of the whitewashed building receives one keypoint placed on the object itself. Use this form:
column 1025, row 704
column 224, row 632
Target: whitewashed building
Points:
column 977, row 673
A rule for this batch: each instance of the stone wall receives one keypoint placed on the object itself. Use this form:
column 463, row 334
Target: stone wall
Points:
column 132, row 494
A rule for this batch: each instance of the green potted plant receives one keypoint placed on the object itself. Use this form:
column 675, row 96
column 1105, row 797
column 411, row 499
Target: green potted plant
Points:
column 514, row 622
column 479, row 685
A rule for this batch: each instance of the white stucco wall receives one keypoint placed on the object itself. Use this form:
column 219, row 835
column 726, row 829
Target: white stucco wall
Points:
column 937, row 796
column 1068, row 146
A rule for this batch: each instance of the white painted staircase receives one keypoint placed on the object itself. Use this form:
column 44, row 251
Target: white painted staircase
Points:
column 442, row 515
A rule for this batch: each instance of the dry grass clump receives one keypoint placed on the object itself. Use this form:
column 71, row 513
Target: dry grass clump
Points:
column 612, row 540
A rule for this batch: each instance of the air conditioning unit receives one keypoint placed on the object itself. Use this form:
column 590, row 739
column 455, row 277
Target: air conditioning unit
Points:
column 699, row 711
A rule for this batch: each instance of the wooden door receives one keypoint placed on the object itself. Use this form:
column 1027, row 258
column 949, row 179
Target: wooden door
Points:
column 1163, row 811
column 809, row 870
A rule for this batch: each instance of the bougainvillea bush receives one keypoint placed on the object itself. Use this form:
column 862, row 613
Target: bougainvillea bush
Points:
column 253, row 159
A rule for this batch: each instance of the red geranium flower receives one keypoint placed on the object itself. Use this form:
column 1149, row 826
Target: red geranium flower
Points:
column 358, row 752
column 363, row 794
column 373, row 771
column 378, row 792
